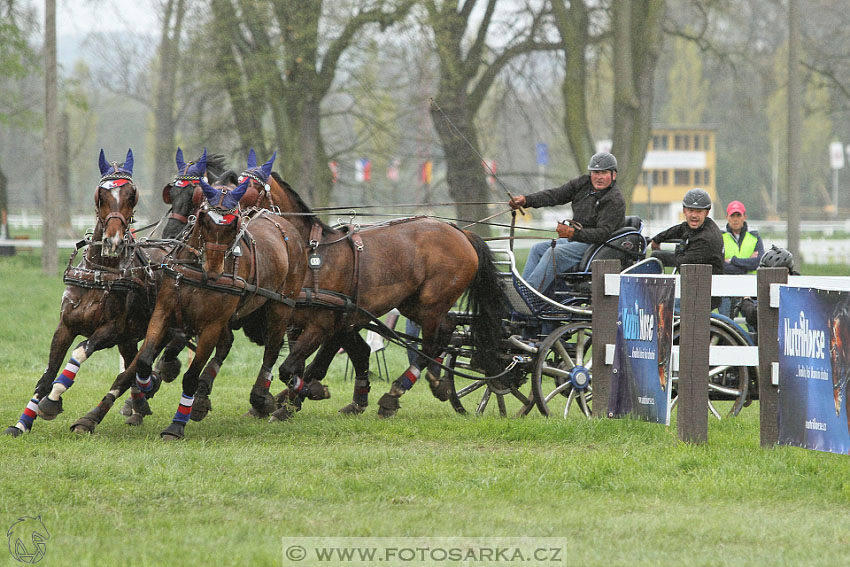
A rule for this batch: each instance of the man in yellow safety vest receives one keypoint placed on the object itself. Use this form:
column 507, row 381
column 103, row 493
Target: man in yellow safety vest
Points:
column 743, row 247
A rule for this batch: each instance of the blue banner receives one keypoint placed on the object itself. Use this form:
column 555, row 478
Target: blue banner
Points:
column 814, row 365
column 640, row 378
column 542, row 153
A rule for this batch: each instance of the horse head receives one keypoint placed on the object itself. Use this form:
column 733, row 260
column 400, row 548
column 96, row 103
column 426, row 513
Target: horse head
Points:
column 839, row 350
column 218, row 224
column 115, row 200
column 184, row 192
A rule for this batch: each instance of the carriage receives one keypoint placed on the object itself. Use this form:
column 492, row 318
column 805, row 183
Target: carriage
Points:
column 548, row 341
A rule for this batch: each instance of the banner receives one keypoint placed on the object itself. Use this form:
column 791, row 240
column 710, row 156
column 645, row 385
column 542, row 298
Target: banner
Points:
column 334, row 167
column 814, row 365
column 640, row 378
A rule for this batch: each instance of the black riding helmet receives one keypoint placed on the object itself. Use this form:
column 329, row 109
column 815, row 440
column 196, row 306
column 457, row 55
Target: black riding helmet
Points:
column 696, row 199
column 602, row 161
column 777, row 257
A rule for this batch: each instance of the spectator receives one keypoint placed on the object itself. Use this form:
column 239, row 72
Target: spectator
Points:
column 743, row 248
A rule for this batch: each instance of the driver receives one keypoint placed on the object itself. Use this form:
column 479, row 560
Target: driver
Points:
column 598, row 210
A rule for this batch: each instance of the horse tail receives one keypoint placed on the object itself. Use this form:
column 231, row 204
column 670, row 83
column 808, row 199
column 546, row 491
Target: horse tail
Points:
column 486, row 306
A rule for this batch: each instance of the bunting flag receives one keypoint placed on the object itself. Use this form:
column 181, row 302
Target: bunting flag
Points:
column 362, row 170
column 393, row 169
column 334, row 167
column 426, row 172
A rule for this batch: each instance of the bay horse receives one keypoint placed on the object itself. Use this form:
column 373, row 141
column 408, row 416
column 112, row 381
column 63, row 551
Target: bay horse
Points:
column 419, row 265
column 235, row 266
column 108, row 298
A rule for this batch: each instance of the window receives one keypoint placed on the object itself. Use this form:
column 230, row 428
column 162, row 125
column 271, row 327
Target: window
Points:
column 681, row 177
column 659, row 142
column 664, row 179
column 697, row 178
column 706, row 177
column 705, row 143
column 696, row 142
column 682, row 142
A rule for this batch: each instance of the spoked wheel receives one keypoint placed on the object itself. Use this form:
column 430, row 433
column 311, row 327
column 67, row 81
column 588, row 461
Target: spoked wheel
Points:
column 562, row 371
column 509, row 396
column 725, row 382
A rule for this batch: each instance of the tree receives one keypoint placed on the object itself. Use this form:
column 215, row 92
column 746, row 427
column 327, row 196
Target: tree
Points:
column 631, row 31
column 468, row 68
column 49, row 252
column 280, row 59
column 688, row 88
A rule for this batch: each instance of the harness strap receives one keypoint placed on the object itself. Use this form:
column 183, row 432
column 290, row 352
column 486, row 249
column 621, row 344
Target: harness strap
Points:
column 238, row 286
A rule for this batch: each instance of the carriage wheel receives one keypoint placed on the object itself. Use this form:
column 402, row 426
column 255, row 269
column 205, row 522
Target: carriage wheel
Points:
column 563, row 369
column 510, row 398
column 724, row 382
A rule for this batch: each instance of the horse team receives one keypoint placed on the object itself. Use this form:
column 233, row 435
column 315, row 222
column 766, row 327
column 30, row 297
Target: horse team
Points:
column 245, row 252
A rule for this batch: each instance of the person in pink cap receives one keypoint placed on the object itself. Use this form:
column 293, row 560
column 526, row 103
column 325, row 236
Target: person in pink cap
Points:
column 743, row 247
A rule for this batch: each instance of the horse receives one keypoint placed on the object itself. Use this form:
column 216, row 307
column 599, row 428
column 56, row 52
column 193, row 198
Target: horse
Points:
column 419, row 265
column 108, row 298
column 234, row 266
column 178, row 193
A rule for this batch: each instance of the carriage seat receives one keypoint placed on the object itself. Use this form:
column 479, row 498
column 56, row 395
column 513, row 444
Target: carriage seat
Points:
column 625, row 244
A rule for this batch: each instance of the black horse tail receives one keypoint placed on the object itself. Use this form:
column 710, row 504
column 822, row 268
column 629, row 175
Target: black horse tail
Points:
column 485, row 303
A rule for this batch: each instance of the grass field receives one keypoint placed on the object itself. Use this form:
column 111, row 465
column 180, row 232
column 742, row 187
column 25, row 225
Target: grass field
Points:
column 620, row 492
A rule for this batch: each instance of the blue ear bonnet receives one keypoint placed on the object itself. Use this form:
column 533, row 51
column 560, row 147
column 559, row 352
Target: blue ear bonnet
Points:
column 226, row 200
column 259, row 174
column 191, row 171
column 114, row 170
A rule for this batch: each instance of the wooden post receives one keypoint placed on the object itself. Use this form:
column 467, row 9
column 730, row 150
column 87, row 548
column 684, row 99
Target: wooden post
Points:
column 694, row 333
column 768, row 329
column 604, row 323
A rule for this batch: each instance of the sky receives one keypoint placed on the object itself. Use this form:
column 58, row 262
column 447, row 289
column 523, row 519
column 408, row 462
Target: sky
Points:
column 76, row 19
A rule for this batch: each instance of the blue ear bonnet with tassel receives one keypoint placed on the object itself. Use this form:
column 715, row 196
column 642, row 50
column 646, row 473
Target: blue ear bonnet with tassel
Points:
column 227, row 200
column 259, row 174
column 114, row 170
column 189, row 173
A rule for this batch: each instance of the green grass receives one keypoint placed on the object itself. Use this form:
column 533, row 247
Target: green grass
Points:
column 621, row 492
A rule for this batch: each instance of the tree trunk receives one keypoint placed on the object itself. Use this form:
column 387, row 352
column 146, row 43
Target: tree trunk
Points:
column 164, row 126
column 49, row 252
column 794, row 129
column 637, row 31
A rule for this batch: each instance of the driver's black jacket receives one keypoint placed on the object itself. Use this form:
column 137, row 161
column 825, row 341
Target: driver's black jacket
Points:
column 600, row 213
column 703, row 245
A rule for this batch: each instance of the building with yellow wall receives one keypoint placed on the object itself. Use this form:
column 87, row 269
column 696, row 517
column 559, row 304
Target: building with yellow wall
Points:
column 677, row 159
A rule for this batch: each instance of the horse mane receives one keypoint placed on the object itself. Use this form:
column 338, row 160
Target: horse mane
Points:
column 300, row 204
column 228, row 177
column 215, row 166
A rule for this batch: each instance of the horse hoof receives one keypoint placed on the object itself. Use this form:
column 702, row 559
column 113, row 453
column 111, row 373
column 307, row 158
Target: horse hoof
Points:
column 83, row 425
column 255, row 414
column 48, row 409
column 283, row 413
column 262, row 401
column 141, row 407
column 200, row 408
column 316, row 391
column 387, row 406
column 442, row 390
column 173, row 432
column 352, row 409
column 13, row 431
column 135, row 420
column 168, row 370
column 127, row 409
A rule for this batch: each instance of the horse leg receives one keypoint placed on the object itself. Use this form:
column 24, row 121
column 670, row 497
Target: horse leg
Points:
column 202, row 405
column 358, row 351
column 62, row 338
column 388, row 405
column 50, row 405
column 167, row 369
column 292, row 369
column 440, row 388
column 122, row 383
column 207, row 339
